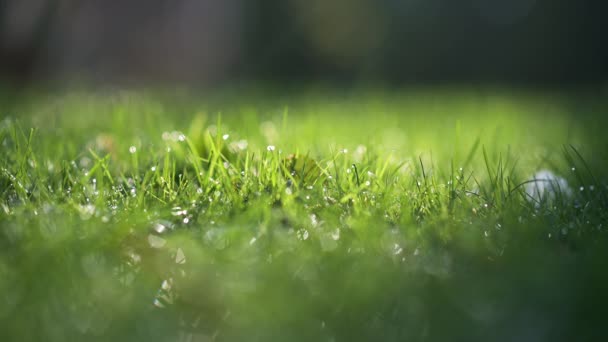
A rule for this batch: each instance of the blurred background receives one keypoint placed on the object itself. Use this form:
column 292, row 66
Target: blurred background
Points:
column 210, row 42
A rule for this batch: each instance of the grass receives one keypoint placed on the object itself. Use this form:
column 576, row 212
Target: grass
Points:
column 369, row 216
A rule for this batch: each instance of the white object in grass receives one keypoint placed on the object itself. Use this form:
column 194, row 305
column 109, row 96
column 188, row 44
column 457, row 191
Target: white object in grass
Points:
column 547, row 186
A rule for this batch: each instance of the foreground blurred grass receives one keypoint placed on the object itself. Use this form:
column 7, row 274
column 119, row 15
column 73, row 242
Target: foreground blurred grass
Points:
column 131, row 216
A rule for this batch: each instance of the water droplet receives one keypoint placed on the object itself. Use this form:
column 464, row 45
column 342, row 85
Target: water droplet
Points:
column 573, row 169
column 252, row 241
column 156, row 242
column 186, row 220
column 302, row 234
column 313, row 220
column 167, row 284
column 180, row 257
column 344, row 151
column 177, row 211
column 181, row 137
column 153, row 168
column 397, row 249
column 132, row 149
column 158, row 303
column 270, row 148
column 582, row 188
column 225, row 136
column 135, row 258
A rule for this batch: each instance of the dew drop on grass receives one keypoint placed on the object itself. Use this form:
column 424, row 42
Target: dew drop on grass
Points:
column 159, row 227
column 132, row 149
column 156, row 242
column 270, row 148
column 225, row 136
column 180, row 257
column 153, row 168
column 313, row 220
column 302, row 234
column 158, row 303
column 336, row 234
column 252, row 241
column 178, row 211
column 397, row 249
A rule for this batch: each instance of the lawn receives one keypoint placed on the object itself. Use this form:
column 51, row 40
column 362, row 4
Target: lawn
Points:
column 409, row 215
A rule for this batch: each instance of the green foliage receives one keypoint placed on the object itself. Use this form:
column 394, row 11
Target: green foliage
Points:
column 377, row 217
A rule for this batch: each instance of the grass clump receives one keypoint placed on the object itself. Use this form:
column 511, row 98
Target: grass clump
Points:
column 125, row 217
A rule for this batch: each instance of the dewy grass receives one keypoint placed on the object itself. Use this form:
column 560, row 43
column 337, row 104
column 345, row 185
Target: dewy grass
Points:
column 376, row 217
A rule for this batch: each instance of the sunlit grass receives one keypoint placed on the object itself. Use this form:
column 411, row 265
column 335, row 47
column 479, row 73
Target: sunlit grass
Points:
column 391, row 217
